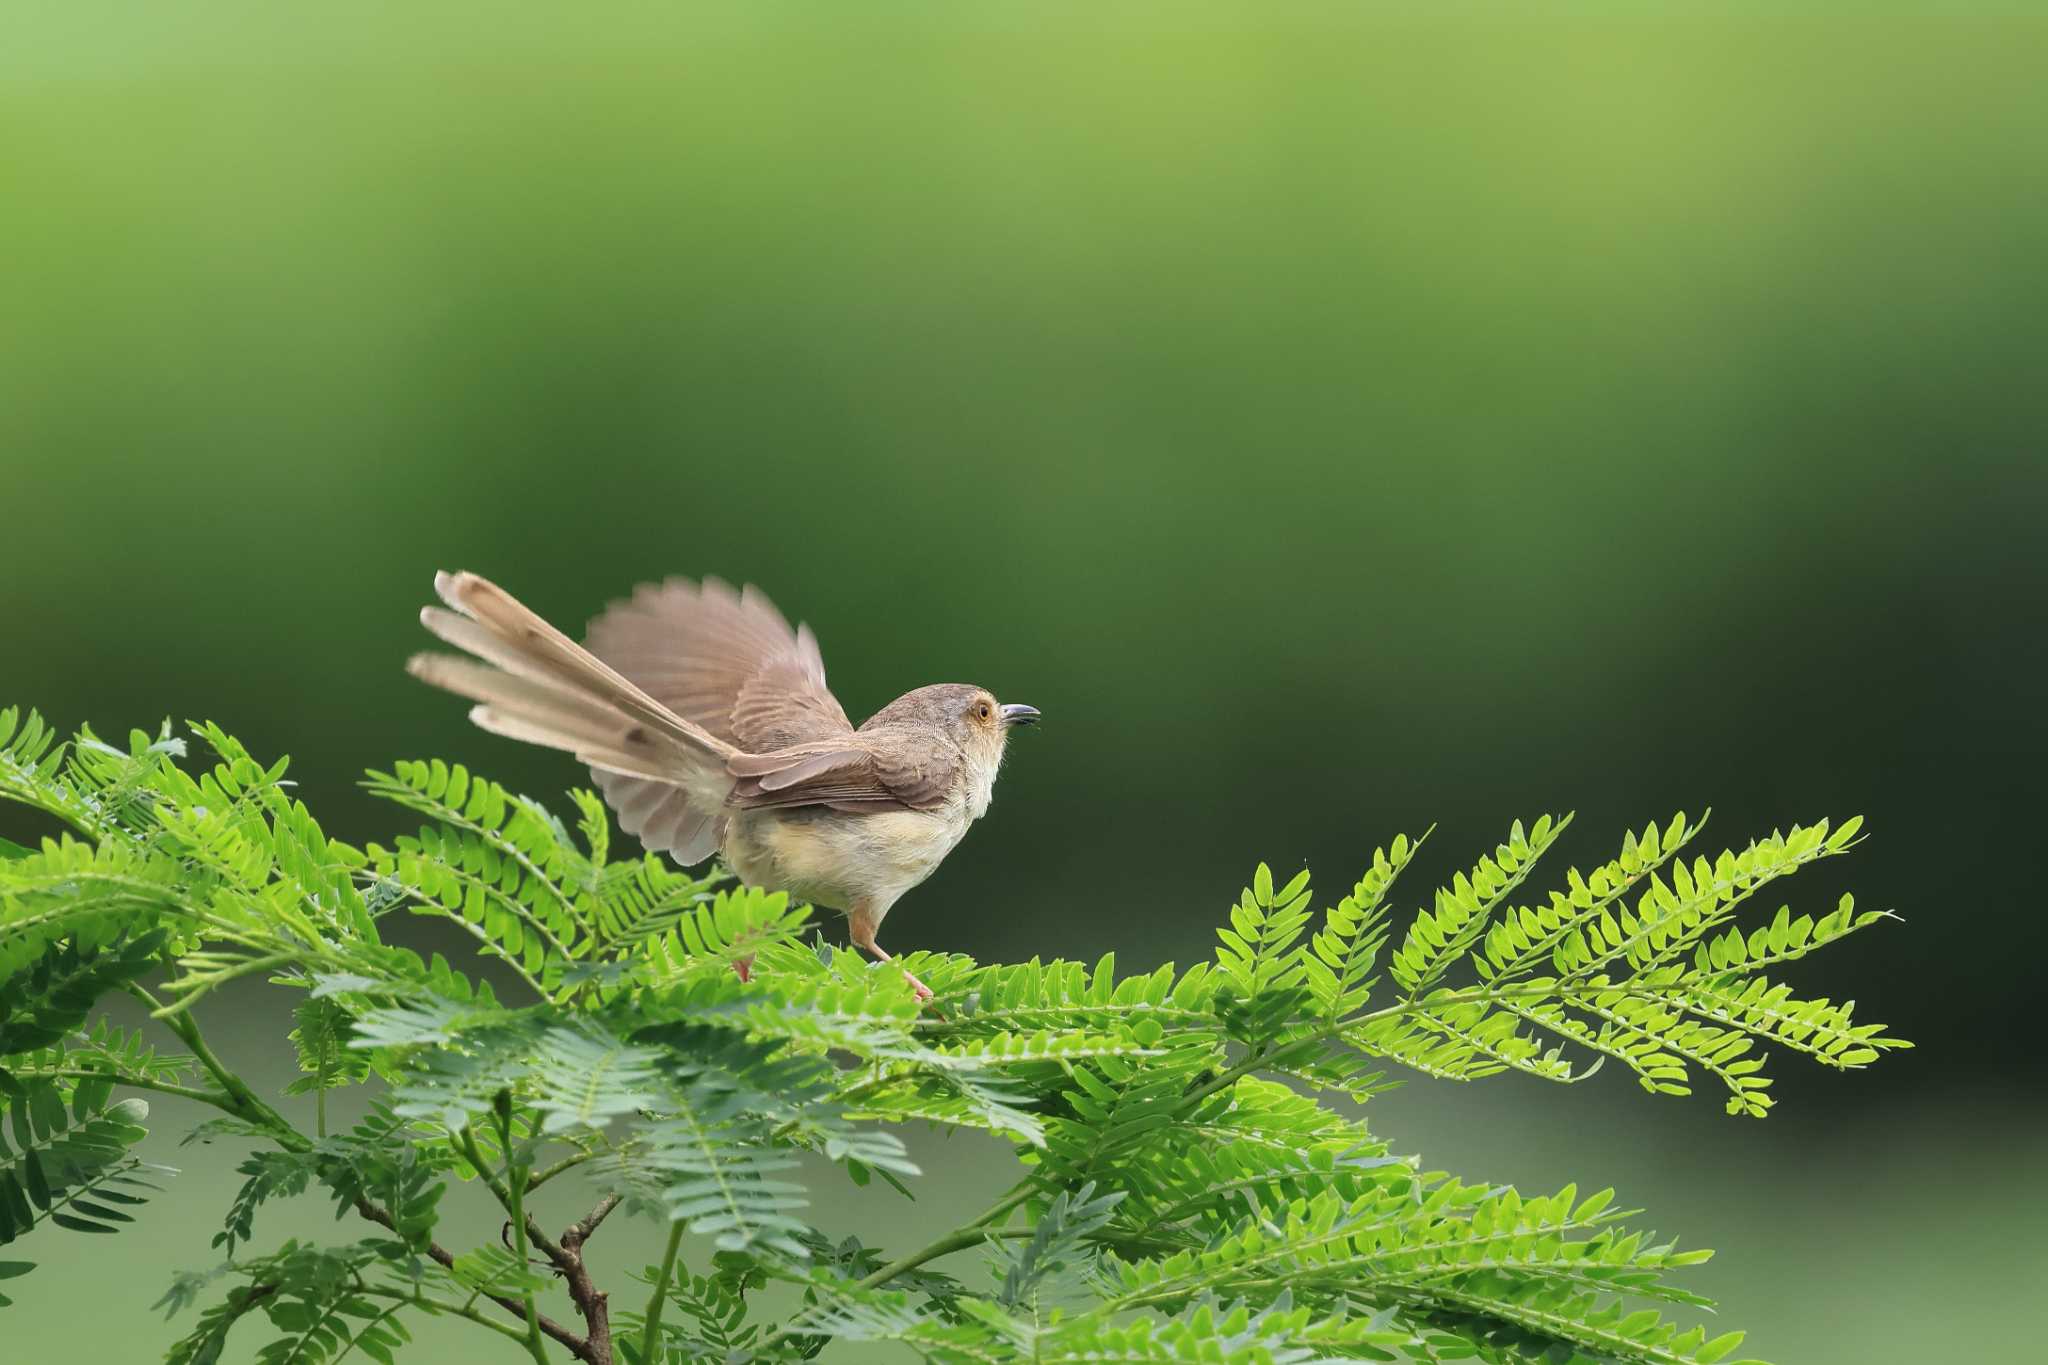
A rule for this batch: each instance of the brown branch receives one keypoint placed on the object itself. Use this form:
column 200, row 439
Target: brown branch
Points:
column 578, row 1346
column 592, row 1302
column 590, row 1221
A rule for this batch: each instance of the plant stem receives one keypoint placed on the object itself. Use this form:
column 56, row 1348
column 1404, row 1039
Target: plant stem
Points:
column 1257, row 1060
column 441, row 1256
column 593, row 1303
column 460, row 1310
column 542, row 1177
column 185, row 1002
column 475, row 1153
column 356, row 1338
column 650, row 1336
column 188, row 1092
column 239, row 1099
column 957, row 1240
column 533, row 1339
column 510, row 1196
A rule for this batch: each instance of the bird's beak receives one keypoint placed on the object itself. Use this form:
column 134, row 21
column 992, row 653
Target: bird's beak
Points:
column 1017, row 713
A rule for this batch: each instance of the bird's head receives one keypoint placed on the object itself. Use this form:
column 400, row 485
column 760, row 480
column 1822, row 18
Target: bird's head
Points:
column 969, row 716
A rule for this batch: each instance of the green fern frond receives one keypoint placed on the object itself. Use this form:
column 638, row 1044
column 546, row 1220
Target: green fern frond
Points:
column 494, row 1270
column 1049, row 1046
column 1464, row 909
column 709, row 936
column 1257, row 954
column 1523, row 939
column 69, row 1159
column 643, row 900
column 770, row 1078
column 492, row 860
column 1116, row 1107
column 701, row 1165
column 312, row 1296
column 1347, row 947
column 1537, row 1313
column 105, row 1049
column 1820, row 1028
column 1671, row 917
column 46, row 1002
column 713, row 1309
column 97, row 892
column 1054, row 995
column 1459, row 1039
column 1057, row 1240
column 1183, row 1193
column 322, row 1034
column 31, row 766
column 1233, row 1334
column 585, row 1077
column 1784, row 939
column 269, row 1175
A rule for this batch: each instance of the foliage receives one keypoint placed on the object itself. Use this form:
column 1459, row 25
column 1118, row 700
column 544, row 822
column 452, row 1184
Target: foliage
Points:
column 1185, row 1189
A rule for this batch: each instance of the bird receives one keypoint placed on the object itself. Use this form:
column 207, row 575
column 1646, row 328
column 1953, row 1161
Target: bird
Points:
column 707, row 725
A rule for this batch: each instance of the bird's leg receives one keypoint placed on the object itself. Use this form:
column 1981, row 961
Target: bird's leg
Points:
column 861, row 926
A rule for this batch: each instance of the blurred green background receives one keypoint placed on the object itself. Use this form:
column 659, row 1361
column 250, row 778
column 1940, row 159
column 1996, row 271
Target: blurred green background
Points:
column 1337, row 418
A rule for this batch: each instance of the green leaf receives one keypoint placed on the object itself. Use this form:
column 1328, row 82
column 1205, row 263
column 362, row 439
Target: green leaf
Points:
column 1184, row 1191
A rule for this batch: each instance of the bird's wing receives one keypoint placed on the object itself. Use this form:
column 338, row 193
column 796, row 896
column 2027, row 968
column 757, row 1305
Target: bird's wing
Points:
column 726, row 660
column 665, row 775
column 877, row 772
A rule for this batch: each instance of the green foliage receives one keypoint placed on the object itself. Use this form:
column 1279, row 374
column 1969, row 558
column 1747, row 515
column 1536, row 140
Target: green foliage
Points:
column 1182, row 1189
column 69, row 1163
column 49, row 998
column 712, row 1308
column 322, row 1032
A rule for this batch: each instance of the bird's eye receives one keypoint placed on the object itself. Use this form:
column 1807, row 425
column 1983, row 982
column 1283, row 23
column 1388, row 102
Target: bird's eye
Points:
column 981, row 710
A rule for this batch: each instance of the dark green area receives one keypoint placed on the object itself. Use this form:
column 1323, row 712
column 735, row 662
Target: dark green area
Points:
column 1335, row 419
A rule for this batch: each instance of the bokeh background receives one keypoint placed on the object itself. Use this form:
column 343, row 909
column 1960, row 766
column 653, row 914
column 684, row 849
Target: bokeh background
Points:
column 1337, row 418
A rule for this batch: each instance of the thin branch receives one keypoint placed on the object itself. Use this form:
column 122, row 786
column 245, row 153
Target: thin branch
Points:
column 212, row 1097
column 142, row 993
column 544, row 1175
column 247, row 967
column 533, row 1342
column 650, row 1335
column 509, row 1196
column 593, row 1303
column 485, row 946
column 356, row 1338
column 444, row 1258
column 959, row 1239
column 236, row 1097
column 580, row 1231
column 475, row 1154
column 434, row 1305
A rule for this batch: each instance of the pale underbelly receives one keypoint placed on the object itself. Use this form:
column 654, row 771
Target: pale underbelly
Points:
column 838, row 860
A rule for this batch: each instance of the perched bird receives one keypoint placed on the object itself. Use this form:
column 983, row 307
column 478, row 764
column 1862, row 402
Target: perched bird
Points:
column 707, row 725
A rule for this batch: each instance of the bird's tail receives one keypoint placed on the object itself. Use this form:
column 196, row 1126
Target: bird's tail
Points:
column 665, row 776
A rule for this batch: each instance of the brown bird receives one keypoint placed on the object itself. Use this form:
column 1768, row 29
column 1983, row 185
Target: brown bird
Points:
column 707, row 725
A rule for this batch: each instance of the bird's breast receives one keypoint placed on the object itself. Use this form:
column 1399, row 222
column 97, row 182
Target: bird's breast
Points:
column 839, row 859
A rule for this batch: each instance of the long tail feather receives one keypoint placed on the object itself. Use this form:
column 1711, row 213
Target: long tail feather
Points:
column 536, row 685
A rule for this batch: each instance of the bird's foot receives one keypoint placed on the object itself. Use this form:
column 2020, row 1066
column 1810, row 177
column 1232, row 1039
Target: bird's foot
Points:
column 924, row 992
column 743, row 967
